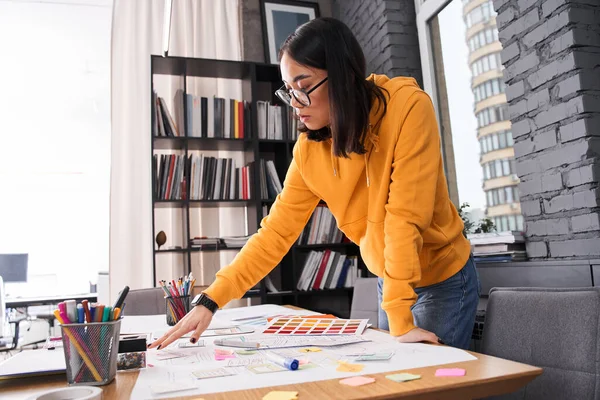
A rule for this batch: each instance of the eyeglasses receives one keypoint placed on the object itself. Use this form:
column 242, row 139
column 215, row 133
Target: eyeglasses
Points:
column 300, row 95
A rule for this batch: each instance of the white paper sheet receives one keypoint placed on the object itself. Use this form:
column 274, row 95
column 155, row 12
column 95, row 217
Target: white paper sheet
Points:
column 156, row 323
column 406, row 356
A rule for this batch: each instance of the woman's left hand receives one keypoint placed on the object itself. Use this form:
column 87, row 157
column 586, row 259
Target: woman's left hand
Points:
column 418, row 335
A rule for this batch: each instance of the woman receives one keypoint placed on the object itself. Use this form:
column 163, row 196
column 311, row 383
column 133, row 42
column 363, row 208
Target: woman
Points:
column 371, row 150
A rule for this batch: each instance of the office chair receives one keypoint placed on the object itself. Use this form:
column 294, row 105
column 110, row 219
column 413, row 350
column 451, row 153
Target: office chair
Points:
column 7, row 342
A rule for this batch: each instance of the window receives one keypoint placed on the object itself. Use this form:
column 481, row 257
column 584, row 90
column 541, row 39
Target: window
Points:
column 519, row 222
column 504, row 195
column 489, row 36
column 483, row 38
column 491, row 115
column 495, row 144
column 486, row 63
column 504, row 223
column 482, row 13
column 512, row 223
column 509, row 194
column 505, row 167
column 57, row 164
column 501, row 197
column 501, row 140
column 499, row 168
column 496, row 141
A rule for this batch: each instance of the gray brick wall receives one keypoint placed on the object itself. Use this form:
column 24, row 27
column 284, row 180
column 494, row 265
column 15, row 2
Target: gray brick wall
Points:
column 552, row 70
column 387, row 32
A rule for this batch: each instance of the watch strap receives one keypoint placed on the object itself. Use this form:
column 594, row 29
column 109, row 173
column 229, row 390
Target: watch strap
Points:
column 204, row 300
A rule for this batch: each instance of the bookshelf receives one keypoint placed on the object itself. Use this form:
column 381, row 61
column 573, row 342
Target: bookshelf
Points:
column 258, row 83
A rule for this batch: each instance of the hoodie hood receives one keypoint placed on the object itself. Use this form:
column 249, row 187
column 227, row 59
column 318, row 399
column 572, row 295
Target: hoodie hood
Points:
column 391, row 87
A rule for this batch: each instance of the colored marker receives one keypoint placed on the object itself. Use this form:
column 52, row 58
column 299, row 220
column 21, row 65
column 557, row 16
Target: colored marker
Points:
column 71, row 310
column 288, row 363
column 236, row 343
column 107, row 313
column 86, row 310
column 80, row 314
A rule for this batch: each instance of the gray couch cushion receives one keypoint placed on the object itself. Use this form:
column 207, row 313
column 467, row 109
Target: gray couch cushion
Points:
column 556, row 329
column 364, row 300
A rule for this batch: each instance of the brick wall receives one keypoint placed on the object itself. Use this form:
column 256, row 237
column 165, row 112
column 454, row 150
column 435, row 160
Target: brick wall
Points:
column 387, row 32
column 552, row 60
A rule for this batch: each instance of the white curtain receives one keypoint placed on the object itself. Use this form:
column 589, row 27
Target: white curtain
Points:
column 199, row 28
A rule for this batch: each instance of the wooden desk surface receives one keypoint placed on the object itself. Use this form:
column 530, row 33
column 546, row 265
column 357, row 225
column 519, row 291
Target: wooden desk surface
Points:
column 486, row 376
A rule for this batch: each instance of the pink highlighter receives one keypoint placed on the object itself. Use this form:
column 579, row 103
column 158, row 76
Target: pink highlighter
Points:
column 62, row 309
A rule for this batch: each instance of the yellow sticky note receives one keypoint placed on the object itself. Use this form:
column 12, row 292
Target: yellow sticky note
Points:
column 281, row 395
column 310, row 350
column 347, row 367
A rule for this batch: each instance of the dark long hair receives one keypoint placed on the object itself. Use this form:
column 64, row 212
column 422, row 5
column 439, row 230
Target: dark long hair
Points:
column 328, row 44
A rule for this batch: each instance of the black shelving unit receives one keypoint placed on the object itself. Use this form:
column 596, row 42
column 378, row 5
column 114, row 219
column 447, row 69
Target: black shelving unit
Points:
column 259, row 82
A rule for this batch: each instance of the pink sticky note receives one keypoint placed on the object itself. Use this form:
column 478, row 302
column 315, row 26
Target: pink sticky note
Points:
column 221, row 357
column 450, row 372
column 357, row 381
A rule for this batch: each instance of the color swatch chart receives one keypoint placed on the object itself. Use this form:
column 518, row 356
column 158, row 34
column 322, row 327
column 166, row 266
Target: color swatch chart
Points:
column 316, row 326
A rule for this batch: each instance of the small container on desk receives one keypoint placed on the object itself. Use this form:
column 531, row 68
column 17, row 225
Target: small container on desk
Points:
column 177, row 308
column 132, row 352
column 91, row 352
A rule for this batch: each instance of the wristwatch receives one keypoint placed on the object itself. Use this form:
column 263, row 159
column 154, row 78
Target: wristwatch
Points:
column 204, row 300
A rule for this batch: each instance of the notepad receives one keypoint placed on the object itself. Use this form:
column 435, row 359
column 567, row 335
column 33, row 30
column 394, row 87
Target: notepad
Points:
column 403, row 377
column 347, row 367
column 383, row 356
column 281, row 395
column 450, row 372
column 357, row 381
column 265, row 368
column 212, row 373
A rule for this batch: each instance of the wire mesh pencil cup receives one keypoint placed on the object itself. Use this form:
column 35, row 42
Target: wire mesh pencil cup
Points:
column 91, row 352
column 177, row 308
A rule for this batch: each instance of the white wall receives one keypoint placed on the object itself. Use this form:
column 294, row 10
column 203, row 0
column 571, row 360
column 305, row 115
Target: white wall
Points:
column 55, row 136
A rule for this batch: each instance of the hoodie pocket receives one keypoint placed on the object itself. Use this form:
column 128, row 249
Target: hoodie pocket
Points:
column 355, row 230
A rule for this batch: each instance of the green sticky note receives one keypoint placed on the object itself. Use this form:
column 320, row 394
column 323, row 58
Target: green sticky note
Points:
column 404, row 377
column 246, row 352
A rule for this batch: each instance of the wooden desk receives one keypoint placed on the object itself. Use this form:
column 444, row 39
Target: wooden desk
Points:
column 486, row 376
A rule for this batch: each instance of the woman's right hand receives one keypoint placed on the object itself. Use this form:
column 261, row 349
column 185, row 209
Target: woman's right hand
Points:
column 196, row 320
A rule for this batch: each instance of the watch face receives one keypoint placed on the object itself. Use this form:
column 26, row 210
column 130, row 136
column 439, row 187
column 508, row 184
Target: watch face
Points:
column 196, row 300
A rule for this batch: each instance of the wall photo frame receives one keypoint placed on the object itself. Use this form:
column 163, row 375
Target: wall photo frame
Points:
column 280, row 18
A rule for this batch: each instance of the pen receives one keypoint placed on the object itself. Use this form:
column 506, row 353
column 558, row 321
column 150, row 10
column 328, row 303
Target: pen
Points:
column 288, row 363
column 236, row 343
column 86, row 310
column 80, row 314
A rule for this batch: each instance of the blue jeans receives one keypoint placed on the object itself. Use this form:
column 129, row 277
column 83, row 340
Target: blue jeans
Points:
column 447, row 308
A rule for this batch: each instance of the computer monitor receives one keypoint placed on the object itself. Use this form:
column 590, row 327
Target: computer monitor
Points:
column 13, row 267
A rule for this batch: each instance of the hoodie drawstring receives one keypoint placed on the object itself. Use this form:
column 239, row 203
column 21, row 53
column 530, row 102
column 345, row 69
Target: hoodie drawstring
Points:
column 374, row 139
column 375, row 142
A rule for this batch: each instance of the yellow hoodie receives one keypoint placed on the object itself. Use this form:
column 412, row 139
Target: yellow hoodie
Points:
column 392, row 201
